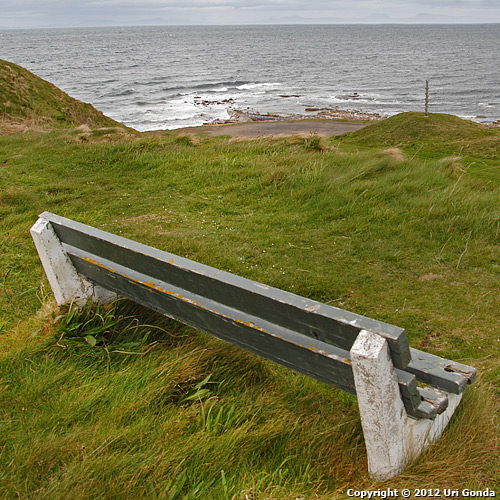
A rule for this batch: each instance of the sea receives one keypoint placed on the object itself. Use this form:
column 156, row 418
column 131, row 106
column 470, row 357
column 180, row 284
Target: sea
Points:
column 169, row 77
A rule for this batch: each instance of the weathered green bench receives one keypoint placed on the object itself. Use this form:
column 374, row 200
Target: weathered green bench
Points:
column 353, row 353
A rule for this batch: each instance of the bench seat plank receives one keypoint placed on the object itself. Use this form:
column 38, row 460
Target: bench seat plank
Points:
column 443, row 373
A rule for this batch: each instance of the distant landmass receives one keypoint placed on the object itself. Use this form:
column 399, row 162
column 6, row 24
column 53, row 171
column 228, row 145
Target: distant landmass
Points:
column 378, row 18
column 375, row 18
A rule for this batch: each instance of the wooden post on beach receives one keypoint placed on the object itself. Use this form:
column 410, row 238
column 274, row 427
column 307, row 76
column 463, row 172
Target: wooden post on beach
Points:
column 426, row 97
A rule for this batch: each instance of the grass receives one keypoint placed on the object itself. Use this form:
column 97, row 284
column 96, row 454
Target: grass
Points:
column 118, row 402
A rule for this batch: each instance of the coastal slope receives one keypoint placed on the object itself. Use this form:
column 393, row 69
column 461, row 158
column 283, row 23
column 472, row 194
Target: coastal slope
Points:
column 27, row 102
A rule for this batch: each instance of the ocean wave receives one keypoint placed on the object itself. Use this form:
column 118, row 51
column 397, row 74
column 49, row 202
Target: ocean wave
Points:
column 126, row 92
column 223, row 86
column 251, row 86
column 122, row 93
column 354, row 96
column 208, row 86
column 175, row 115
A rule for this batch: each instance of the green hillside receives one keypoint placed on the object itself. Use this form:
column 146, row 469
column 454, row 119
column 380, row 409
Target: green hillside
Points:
column 26, row 99
column 399, row 221
column 437, row 134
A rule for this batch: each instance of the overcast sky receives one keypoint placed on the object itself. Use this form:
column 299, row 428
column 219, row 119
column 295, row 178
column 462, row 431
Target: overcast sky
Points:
column 69, row 13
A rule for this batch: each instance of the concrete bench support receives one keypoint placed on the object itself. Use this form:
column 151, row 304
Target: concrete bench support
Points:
column 67, row 285
column 392, row 438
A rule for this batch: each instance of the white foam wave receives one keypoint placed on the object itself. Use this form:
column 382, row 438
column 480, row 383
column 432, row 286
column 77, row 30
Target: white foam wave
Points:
column 175, row 114
column 251, row 86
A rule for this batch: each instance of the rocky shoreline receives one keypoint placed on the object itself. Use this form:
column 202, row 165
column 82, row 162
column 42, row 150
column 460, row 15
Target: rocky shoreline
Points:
column 240, row 116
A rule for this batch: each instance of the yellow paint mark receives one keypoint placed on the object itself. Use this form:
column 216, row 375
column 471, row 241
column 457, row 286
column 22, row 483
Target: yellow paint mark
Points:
column 168, row 292
column 250, row 325
column 95, row 263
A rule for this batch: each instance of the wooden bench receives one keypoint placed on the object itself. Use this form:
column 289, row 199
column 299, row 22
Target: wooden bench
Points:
column 359, row 355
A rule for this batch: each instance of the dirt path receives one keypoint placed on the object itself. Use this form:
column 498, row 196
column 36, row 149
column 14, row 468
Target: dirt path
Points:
column 323, row 128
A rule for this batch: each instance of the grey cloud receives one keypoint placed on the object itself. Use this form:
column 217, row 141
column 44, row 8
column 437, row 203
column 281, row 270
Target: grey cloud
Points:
column 26, row 13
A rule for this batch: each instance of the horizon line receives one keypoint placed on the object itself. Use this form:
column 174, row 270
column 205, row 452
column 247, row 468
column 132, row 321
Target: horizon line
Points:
column 261, row 23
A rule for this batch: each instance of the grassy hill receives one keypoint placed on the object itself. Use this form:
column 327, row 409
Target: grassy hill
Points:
column 379, row 222
column 432, row 136
column 30, row 102
column 407, row 129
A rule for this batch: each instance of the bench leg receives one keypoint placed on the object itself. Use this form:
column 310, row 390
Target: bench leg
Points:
column 67, row 285
column 392, row 438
